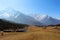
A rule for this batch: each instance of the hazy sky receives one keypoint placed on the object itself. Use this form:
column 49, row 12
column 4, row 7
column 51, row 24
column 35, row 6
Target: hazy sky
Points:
column 48, row 7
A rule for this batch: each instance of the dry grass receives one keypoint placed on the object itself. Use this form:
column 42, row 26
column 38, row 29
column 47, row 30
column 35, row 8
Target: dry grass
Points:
column 33, row 33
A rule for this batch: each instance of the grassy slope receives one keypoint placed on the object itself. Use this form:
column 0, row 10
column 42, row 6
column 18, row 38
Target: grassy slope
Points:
column 33, row 33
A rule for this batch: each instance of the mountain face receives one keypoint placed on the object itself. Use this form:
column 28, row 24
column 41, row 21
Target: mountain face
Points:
column 35, row 19
column 46, row 20
column 18, row 17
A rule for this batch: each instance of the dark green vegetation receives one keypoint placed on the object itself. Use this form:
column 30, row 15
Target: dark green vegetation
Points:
column 7, row 25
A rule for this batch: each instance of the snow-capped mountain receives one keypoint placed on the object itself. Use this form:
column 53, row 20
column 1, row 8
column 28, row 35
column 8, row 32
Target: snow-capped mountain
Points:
column 46, row 20
column 35, row 19
column 18, row 17
column 58, row 18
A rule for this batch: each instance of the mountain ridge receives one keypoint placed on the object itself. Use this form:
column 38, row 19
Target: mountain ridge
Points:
column 33, row 19
column 45, row 19
column 18, row 17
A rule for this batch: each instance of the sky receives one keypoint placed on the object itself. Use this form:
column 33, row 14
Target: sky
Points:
column 44, row 7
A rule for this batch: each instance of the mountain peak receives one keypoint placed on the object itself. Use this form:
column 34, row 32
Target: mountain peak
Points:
column 10, row 13
column 18, row 17
column 44, row 16
column 41, row 17
column 46, row 20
